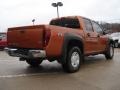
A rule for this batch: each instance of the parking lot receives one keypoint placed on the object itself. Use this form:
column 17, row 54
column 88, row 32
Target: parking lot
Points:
column 96, row 73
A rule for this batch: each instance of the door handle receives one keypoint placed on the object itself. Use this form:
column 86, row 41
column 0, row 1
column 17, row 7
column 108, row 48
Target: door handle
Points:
column 98, row 35
column 88, row 34
column 22, row 31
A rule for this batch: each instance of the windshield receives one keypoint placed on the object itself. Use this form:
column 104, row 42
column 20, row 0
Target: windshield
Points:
column 66, row 22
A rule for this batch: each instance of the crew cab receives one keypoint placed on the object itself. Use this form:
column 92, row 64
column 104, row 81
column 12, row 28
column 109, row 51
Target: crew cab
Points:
column 65, row 39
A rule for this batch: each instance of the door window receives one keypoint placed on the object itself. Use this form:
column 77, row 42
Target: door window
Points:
column 97, row 28
column 88, row 25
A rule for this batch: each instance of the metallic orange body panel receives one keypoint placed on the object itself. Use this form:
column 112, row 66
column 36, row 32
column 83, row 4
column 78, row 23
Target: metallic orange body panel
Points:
column 26, row 37
column 54, row 48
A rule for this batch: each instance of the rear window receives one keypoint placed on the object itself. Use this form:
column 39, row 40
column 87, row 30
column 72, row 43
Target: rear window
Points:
column 66, row 22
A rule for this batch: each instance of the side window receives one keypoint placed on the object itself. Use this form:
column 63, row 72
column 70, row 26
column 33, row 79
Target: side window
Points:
column 88, row 25
column 97, row 28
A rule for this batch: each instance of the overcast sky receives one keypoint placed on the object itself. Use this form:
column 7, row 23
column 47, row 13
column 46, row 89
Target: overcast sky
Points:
column 21, row 12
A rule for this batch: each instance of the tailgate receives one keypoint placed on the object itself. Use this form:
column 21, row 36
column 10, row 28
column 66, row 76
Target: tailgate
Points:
column 26, row 37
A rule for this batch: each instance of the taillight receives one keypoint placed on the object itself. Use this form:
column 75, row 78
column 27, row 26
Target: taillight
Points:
column 46, row 35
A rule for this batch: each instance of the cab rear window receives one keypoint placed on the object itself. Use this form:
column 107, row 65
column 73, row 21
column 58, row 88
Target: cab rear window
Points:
column 66, row 22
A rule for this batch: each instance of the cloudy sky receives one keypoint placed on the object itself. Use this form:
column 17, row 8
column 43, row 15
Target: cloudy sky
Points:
column 21, row 12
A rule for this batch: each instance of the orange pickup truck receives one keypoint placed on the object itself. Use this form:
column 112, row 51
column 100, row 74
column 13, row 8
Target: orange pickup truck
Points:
column 65, row 39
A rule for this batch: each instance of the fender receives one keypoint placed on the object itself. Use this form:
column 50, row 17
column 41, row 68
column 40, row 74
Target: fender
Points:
column 110, row 40
column 67, row 38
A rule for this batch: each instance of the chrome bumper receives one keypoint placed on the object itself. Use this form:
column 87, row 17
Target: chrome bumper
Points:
column 30, row 53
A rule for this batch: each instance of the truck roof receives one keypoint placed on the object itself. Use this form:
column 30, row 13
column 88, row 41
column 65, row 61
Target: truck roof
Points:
column 68, row 17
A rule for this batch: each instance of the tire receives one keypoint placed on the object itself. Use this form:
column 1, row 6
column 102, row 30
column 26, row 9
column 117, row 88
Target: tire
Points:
column 110, row 52
column 34, row 62
column 116, row 44
column 119, row 45
column 74, row 58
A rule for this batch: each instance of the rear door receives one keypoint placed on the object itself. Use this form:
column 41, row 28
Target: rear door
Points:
column 91, row 38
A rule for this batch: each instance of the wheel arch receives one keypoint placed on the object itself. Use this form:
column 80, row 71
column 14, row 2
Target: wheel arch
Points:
column 108, row 51
column 111, row 41
column 71, row 40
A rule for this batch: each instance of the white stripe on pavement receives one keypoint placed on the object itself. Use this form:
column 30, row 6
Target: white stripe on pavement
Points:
column 24, row 75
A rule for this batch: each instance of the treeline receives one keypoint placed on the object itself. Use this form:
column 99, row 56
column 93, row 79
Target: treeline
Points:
column 110, row 27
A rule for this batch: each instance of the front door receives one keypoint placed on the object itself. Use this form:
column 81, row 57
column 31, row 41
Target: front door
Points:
column 91, row 38
column 102, row 39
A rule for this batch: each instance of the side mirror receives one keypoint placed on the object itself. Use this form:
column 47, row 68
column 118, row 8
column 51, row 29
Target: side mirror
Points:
column 104, row 32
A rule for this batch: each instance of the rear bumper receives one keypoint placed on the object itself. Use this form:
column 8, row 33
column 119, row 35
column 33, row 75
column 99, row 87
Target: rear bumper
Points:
column 28, row 54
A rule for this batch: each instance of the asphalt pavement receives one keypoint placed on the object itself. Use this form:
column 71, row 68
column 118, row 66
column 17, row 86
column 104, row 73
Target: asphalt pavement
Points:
column 96, row 73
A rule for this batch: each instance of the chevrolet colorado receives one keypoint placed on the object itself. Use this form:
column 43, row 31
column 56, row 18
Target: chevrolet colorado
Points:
column 65, row 39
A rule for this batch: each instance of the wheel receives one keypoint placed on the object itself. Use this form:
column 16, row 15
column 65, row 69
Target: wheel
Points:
column 119, row 45
column 110, row 52
column 34, row 62
column 116, row 44
column 74, row 57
